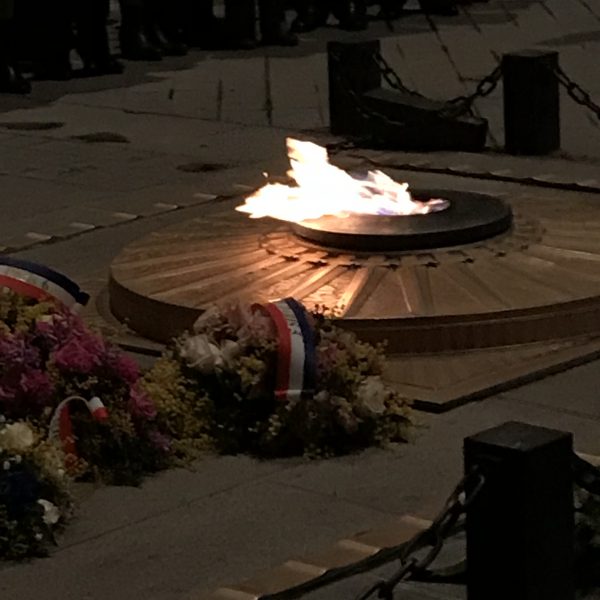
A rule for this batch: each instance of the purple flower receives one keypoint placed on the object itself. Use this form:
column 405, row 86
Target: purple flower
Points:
column 80, row 353
column 140, row 405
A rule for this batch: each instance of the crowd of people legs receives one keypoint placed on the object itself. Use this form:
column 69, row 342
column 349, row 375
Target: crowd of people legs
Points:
column 37, row 37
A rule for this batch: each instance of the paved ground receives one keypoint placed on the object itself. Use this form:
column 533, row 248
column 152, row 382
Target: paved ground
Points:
column 73, row 204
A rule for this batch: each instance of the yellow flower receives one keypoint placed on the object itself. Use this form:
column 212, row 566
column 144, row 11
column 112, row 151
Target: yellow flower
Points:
column 16, row 436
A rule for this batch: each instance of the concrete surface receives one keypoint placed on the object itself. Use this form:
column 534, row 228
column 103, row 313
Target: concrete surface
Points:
column 74, row 204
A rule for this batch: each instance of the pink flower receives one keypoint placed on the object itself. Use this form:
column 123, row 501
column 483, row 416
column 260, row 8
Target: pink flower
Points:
column 140, row 405
column 37, row 384
column 25, row 392
column 59, row 326
column 16, row 350
column 125, row 368
column 328, row 355
column 80, row 353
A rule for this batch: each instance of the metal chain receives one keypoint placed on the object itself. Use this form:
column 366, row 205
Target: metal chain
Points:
column 586, row 475
column 363, row 109
column 452, row 108
column 576, row 92
column 434, row 537
column 392, row 78
column 463, row 104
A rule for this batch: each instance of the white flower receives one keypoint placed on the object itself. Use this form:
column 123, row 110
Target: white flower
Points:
column 38, row 536
column 17, row 436
column 199, row 352
column 51, row 512
column 322, row 396
column 372, row 394
column 230, row 350
column 209, row 319
column 6, row 465
column 18, row 459
column 2, row 419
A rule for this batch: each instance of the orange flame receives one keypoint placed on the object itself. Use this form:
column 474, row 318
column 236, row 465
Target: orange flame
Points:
column 324, row 189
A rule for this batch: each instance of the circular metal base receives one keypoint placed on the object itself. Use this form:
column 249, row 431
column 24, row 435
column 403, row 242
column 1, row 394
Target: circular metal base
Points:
column 469, row 218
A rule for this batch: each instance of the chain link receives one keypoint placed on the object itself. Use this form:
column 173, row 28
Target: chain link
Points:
column 576, row 92
column 365, row 111
column 433, row 537
column 392, row 78
column 464, row 104
column 451, row 109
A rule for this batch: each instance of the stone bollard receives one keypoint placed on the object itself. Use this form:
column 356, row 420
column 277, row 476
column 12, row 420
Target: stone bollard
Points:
column 352, row 72
column 531, row 102
column 520, row 526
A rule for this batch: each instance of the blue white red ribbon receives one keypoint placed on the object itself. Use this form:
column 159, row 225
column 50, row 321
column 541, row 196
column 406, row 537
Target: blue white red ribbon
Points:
column 296, row 349
column 61, row 427
column 40, row 282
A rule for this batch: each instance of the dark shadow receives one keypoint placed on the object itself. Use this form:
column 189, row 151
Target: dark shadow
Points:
column 573, row 39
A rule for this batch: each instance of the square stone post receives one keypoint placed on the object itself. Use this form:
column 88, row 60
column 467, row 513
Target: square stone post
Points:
column 520, row 526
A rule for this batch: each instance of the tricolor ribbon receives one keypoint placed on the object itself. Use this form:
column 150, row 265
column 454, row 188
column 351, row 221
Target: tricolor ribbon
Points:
column 40, row 282
column 296, row 349
column 61, row 427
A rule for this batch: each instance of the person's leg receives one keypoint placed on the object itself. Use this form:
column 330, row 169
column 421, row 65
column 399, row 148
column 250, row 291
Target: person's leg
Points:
column 273, row 28
column 11, row 81
column 163, row 28
column 391, row 9
column 134, row 44
column 199, row 26
column 311, row 14
column 352, row 14
column 91, row 28
column 240, row 22
column 50, row 26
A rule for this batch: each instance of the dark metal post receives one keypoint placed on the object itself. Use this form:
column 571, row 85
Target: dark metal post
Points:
column 351, row 69
column 520, row 527
column 531, row 102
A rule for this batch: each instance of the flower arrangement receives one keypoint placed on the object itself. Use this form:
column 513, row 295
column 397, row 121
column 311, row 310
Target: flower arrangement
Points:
column 48, row 354
column 34, row 491
column 587, row 538
column 215, row 388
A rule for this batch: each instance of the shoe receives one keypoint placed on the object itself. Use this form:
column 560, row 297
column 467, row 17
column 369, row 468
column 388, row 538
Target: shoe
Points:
column 244, row 44
column 108, row 66
column 166, row 46
column 12, row 82
column 53, row 71
column 309, row 19
column 353, row 23
column 439, row 7
column 279, row 37
column 136, row 47
column 352, row 15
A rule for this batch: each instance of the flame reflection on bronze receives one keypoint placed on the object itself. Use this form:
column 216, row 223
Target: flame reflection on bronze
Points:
column 469, row 217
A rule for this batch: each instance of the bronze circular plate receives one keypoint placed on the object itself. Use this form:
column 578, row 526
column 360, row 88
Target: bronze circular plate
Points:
column 537, row 281
column 469, row 218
